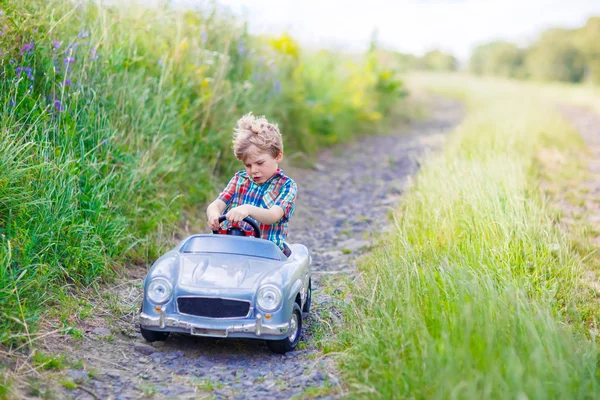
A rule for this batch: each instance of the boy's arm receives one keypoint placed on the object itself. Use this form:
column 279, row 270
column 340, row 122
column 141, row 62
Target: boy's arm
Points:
column 283, row 208
column 267, row 216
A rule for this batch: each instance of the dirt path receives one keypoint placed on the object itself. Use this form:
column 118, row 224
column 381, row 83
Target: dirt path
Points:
column 345, row 197
column 579, row 199
column 587, row 123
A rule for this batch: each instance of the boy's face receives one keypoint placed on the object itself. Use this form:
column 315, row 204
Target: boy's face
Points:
column 261, row 165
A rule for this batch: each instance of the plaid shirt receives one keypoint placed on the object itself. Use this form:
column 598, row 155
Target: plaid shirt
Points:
column 278, row 190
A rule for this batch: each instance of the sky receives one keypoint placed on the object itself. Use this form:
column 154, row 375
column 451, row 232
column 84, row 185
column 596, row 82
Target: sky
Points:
column 411, row 26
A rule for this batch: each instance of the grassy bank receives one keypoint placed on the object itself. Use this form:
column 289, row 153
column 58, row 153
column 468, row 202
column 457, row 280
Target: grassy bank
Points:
column 477, row 294
column 116, row 121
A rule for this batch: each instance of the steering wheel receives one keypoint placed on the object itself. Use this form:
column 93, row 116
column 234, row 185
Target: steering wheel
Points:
column 236, row 230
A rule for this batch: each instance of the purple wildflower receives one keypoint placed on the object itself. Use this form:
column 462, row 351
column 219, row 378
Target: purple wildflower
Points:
column 160, row 63
column 11, row 103
column 104, row 141
column 12, row 62
column 94, row 54
column 27, row 70
column 56, row 44
column 204, row 36
column 241, row 48
column 34, row 30
column 83, row 33
column 27, row 48
column 58, row 105
column 69, row 60
column 30, row 87
column 277, row 86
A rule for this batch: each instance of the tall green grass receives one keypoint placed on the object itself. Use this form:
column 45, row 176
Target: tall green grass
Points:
column 115, row 125
column 476, row 293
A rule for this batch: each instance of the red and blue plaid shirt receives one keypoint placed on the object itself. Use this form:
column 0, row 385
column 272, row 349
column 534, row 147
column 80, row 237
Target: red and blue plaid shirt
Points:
column 278, row 190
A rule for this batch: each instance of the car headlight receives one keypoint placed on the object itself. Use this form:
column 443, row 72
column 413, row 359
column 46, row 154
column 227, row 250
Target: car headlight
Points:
column 159, row 291
column 268, row 298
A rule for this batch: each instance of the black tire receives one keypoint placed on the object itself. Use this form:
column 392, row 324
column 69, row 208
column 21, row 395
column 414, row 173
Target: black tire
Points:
column 307, row 303
column 154, row 336
column 289, row 343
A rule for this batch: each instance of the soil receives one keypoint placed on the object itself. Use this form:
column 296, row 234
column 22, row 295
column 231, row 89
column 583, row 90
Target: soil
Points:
column 587, row 123
column 343, row 200
column 579, row 197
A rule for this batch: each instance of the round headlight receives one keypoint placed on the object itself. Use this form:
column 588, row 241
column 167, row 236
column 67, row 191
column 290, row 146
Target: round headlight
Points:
column 159, row 291
column 268, row 298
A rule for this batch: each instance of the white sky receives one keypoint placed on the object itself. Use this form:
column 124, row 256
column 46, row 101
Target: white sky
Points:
column 412, row 26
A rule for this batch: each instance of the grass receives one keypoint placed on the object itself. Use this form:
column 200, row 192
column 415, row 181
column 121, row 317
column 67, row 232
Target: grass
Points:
column 208, row 385
column 315, row 392
column 115, row 130
column 476, row 293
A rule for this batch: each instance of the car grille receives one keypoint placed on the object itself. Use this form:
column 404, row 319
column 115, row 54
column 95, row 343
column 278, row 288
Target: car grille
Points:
column 213, row 307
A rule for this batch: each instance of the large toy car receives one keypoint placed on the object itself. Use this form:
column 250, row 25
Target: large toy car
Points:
column 229, row 285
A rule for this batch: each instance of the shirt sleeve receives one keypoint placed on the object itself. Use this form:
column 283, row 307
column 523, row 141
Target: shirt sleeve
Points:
column 286, row 200
column 229, row 190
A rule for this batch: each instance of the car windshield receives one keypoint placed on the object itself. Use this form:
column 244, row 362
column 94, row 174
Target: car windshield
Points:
column 225, row 244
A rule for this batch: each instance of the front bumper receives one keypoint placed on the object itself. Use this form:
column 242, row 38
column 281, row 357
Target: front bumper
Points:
column 248, row 328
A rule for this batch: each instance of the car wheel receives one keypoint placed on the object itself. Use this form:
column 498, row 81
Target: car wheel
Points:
column 154, row 336
column 307, row 303
column 290, row 342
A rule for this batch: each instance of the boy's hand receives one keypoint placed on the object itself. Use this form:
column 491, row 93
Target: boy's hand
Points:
column 213, row 222
column 237, row 214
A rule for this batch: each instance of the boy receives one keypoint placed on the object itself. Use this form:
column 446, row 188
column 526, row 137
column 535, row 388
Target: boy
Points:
column 262, row 191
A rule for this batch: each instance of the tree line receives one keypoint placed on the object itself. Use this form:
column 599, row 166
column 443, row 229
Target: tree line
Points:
column 557, row 54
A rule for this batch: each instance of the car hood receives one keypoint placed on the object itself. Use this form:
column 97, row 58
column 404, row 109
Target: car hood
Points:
column 224, row 271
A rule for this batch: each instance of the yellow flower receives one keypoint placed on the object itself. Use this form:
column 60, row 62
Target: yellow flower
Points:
column 386, row 75
column 285, row 45
column 374, row 116
column 205, row 82
column 357, row 99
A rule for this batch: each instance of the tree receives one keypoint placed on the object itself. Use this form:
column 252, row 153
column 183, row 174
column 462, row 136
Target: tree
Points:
column 436, row 60
column 587, row 40
column 554, row 56
column 498, row 58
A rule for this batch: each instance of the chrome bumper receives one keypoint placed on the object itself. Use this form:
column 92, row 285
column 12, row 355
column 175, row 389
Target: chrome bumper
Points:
column 256, row 327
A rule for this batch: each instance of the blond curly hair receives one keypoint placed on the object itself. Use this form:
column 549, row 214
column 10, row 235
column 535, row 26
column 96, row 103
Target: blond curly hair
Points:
column 256, row 131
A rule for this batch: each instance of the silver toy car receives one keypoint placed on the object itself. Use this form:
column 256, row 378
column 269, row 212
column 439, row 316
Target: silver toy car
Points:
column 229, row 286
